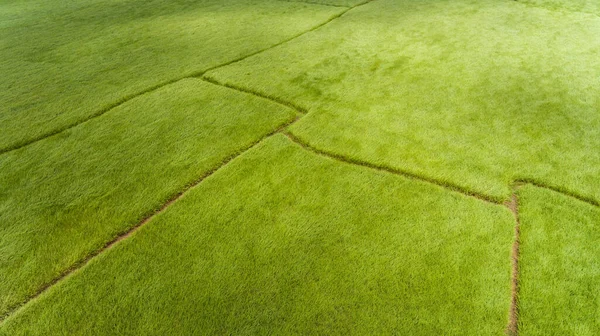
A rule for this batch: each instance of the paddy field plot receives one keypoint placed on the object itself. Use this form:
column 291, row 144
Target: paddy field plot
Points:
column 300, row 167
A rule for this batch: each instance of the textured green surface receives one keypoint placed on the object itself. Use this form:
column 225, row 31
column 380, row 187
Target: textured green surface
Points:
column 66, row 196
column 471, row 93
column 295, row 244
column 560, row 265
column 346, row 3
column 63, row 61
column 584, row 6
column 475, row 96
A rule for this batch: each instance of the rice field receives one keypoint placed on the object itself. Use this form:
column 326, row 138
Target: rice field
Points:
column 336, row 167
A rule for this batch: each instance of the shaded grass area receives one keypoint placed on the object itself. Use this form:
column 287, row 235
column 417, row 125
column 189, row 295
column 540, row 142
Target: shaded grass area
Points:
column 294, row 243
column 66, row 196
column 472, row 93
column 559, row 265
column 64, row 61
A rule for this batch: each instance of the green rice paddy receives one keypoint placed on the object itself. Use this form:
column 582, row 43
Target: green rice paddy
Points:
column 424, row 167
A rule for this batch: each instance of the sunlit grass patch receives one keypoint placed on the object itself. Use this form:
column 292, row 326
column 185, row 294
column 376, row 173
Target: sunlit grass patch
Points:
column 68, row 195
column 560, row 265
column 281, row 241
column 471, row 93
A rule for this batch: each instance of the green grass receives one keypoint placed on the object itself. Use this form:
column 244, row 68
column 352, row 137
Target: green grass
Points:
column 560, row 265
column 112, row 109
column 345, row 3
column 295, row 244
column 584, row 6
column 471, row 93
column 66, row 196
column 64, row 61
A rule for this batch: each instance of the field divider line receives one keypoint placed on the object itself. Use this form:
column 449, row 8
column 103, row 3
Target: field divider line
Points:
column 314, row 3
column 196, row 74
column 395, row 171
column 300, row 112
column 446, row 185
column 130, row 231
column 512, row 329
column 99, row 113
column 561, row 191
column 258, row 94
column 324, row 23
